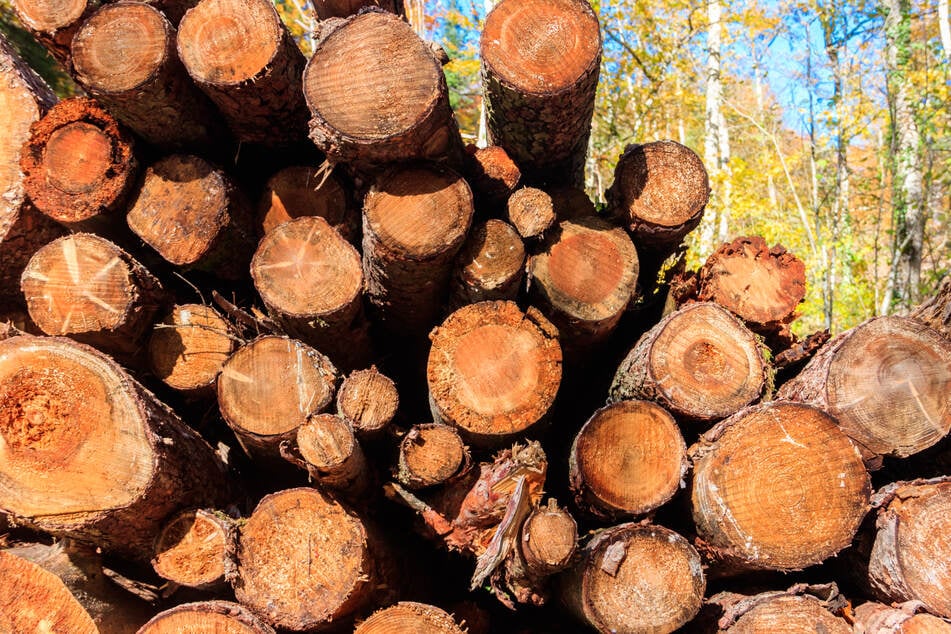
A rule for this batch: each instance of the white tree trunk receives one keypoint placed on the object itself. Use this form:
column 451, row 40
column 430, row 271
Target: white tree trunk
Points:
column 713, row 119
column 945, row 26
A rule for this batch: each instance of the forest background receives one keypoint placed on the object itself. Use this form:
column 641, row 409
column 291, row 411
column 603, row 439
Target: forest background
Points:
column 824, row 125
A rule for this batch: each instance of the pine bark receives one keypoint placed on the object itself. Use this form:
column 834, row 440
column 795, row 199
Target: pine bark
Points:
column 300, row 190
column 197, row 549
column 408, row 617
column 540, row 96
column 188, row 348
column 490, row 266
column 207, row 617
column 430, row 455
column 368, row 400
column 91, row 454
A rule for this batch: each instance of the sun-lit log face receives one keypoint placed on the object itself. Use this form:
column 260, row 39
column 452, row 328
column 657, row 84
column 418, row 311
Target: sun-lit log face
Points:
column 410, row 618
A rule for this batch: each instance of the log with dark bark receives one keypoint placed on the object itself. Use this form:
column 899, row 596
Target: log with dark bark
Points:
column 778, row 487
column 194, row 216
column 207, row 617
column 490, row 266
column 368, row 400
column 408, row 617
column 332, row 455
column 53, row 23
column 493, row 371
column 802, row 608
column 700, row 362
column 300, row 190
column 886, row 381
column 79, row 165
column 431, row 454
column 493, row 176
column 635, row 578
column 377, row 94
column 196, row 549
column 540, row 63
column 189, row 347
column 326, row 9
column 90, row 453
column 241, row 55
column 936, row 310
column 907, row 618
column 124, row 56
column 531, row 212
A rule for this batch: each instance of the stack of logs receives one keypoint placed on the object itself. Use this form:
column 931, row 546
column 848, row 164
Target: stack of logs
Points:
column 254, row 381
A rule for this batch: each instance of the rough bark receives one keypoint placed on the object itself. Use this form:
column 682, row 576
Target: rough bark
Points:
column 876, row 618
column 332, row 455
column 91, row 454
column 540, row 64
column 531, row 212
column 886, row 381
column 368, row 400
column 431, row 454
column 490, row 266
column 493, row 371
column 189, row 347
column 207, row 617
column 936, row 310
column 300, row 190
column 327, row 9
column 54, row 23
column 802, row 608
column 776, row 487
column 492, row 174
column 408, row 617
column 196, row 549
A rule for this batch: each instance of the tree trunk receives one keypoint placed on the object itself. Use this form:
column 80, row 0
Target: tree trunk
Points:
column 944, row 25
column 635, row 578
column 189, row 347
column 194, row 216
column 108, row 462
column 301, row 191
column 251, row 68
column 886, row 381
column 124, row 56
column 799, row 609
column 531, row 212
column 332, row 455
column 701, row 363
column 207, row 617
column 377, row 95
column 490, row 266
column 431, row 454
column 53, row 23
column 368, row 400
column 713, row 119
column 776, row 487
column 196, row 549
column 492, row 174
column 493, row 371
column 408, row 617
column 539, row 97
column 627, row 460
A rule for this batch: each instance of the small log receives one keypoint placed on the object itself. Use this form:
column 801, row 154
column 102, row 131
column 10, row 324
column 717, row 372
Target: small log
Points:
column 776, row 487
column 886, row 381
column 333, row 455
column 327, row 9
column 659, row 193
column 124, row 56
column 570, row 203
column 269, row 387
column 540, row 63
column 493, row 371
column 194, row 216
column 876, row 618
column 415, row 220
column 377, row 95
column 490, row 266
column 701, row 363
column 635, row 578
column 189, row 347
column 627, row 460
column 300, row 191
column 311, row 281
column 936, row 310
column 549, row 539
column 207, row 617
column 86, row 287
column 408, row 617
column 761, row 285
column 368, row 400
column 53, row 23
column 799, row 609
column 90, row 453
column 911, row 549
column 197, row 549
column 531, row 212
column 431, row 454
column 79, row 165
column 304, row 561
column 583, row 278
column 241, row 55
column 492, row 174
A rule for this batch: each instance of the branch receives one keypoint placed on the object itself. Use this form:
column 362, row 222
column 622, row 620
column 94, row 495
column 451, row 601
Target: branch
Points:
column 630, row 51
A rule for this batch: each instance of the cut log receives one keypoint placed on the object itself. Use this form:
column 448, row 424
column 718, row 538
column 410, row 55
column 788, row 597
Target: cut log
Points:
column 795, row 611
column 531, row 212
column 197, row 549
column 300, row 191
column 540, row 63
column 886, row 381
column 701, row 363
column 311, row 281
column 762, row 286
column 38, row 601
column 627, row 460
column 24, row 98
column 269, row 387
column 876, row 618
column 53, row 23
column 241, row 55
column 79, row 165
column 189, row 347
column 659, row 193
column 415, row 220
column 194, row 216
column 635, row 578
column 408, row 617
column 327, row 9
column 377, row 95
column 936, row 310
column 778, row 487
column 333, row 455
column 549, row 539
column 124, row 56
column 493, row 371
column 431, row 454
column 490, row 266
column 86, row 287
column 90, row 453
column 368, row 400
column 305, row 561
column 911, row 549
column 583, row 279
column 207, row 617
column 492, row 174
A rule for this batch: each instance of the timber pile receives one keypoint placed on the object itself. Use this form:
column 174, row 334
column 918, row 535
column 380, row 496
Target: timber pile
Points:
column 278, row 354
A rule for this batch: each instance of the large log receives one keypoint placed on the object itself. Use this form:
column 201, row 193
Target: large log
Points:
column 207, row 617
column 886, row 381
column 408, row 617
column 90, row 453
column 540, row 64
